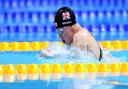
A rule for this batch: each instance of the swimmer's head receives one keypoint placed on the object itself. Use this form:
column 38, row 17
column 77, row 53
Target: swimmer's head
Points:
column 64, row 20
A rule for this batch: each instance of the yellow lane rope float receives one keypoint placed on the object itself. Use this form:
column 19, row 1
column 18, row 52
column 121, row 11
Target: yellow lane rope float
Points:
column 11, row 72
column 37, row 46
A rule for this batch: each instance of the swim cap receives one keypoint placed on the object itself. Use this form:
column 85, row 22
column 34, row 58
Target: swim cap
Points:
column 64, row 17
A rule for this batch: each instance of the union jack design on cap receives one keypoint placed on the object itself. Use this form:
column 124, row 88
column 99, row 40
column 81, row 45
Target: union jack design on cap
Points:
column 66, row 15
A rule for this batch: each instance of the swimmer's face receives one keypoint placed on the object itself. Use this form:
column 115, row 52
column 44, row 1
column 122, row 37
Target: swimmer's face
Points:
column 66, row 34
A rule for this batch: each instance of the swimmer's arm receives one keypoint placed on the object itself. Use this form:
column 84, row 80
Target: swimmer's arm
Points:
column 51, row 51
column 83, row 43
column 94, row 51
column 46, row 53
column 80, row 42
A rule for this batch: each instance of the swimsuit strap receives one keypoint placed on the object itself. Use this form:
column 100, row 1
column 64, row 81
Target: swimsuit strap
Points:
column 101, row 55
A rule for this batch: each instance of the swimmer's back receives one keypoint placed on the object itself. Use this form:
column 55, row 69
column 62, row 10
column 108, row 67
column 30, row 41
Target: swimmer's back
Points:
column 85, row 41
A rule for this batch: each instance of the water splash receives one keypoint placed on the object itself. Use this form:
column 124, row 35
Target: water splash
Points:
column 86, row 83
column 63, row 54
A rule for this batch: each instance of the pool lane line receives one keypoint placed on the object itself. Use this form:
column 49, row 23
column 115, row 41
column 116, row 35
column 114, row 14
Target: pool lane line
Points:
column 11, row 72
column 64, row 68
column 37, row 46
column 115, row 83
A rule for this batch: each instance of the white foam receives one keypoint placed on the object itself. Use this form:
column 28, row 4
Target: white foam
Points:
column 62, row 54
column 86, row 83
column 65, row 54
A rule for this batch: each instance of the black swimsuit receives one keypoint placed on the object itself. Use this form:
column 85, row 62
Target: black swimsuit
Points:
column 101, row 55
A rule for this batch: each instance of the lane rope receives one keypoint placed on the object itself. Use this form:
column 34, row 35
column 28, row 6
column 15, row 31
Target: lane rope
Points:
column 12, row 72
column 37, row 46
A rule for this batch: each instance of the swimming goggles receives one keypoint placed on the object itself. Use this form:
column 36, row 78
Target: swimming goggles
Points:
column 60, row 31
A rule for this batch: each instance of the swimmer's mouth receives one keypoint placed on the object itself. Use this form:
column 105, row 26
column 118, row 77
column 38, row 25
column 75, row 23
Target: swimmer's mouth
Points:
column 63, row 41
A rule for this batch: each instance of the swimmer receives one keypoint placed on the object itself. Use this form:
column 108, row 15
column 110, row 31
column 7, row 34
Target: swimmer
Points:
column 74, row 35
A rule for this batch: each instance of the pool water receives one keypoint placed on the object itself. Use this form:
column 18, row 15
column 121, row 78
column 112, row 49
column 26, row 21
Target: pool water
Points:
column 64, row 83
column 33, row 57
column 67, row 83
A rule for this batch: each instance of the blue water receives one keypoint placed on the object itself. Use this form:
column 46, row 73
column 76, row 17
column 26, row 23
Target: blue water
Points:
column 33, row 57
column 64, row 83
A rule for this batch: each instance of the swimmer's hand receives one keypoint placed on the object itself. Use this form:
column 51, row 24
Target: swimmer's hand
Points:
column 52, row 51
column 46, row 54
column 43, row 55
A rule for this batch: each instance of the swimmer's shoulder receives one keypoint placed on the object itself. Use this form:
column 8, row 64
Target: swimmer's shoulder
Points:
column 82, row 33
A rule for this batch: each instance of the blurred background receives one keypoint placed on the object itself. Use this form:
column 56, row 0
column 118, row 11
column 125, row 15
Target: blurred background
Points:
column 33, row 20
